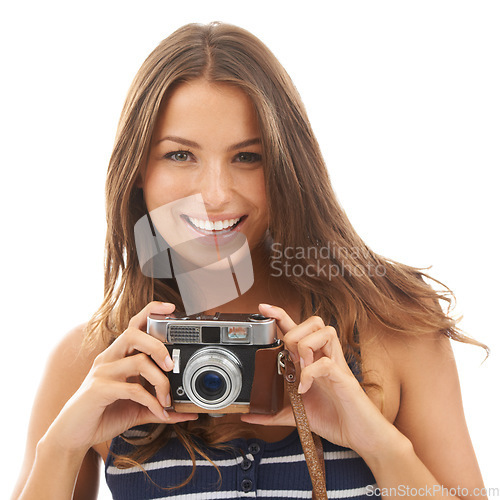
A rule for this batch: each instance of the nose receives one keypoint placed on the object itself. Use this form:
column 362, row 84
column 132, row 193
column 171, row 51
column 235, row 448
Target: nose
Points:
column 216, row 186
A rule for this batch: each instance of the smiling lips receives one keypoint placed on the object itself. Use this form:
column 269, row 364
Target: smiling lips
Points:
column 205, row 226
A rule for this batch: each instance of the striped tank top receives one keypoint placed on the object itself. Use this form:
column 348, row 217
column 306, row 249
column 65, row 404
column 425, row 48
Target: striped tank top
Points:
column 249, row 469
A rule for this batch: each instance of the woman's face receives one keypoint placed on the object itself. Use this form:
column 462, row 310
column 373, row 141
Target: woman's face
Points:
column 204, row 181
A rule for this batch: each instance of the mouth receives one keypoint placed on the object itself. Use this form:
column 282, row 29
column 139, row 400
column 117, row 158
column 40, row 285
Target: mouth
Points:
column 211, row 228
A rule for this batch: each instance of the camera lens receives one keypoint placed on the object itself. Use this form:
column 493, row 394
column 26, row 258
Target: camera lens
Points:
column 210, row 385
column 212, row 378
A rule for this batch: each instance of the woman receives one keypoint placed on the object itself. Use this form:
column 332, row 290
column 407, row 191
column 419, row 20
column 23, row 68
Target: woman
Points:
column 212, row 113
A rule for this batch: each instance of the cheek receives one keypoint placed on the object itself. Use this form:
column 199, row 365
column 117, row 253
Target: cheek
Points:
column 160, row 189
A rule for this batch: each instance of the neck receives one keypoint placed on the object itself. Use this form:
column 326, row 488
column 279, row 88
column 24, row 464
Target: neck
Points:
column 266, row 289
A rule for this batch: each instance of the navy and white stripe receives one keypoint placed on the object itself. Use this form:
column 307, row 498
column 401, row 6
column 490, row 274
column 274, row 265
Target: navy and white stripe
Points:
column 251, row 469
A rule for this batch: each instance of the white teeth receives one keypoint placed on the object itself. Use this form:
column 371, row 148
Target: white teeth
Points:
column 213, row 226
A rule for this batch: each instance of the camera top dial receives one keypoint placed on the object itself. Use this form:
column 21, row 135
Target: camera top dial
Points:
column 257, row 317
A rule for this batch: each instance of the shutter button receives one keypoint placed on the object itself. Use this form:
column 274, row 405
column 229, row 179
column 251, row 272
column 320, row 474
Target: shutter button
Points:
column 246, row 485
column 246, row 464
column 254, row 448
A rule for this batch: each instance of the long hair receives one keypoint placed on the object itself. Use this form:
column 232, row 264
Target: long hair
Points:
column 308, row 226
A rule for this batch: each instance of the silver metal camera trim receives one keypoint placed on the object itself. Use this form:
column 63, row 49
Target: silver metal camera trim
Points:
column 260, row 332
column 226, row 364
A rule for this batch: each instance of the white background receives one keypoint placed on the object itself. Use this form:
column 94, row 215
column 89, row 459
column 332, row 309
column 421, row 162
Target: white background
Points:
column 403, row 97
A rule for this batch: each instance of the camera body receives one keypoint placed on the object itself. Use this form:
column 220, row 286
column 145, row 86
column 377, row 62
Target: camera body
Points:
column 225, row 363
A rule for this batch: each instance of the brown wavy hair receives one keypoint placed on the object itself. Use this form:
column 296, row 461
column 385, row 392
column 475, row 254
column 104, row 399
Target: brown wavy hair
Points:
column 304, row 211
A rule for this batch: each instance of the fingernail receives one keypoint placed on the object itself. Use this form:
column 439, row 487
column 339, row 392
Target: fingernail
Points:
column 168, row 400
column 165, row 414
column 300, row 388
column 265, row 305
column 302, row 363
column 169, row 364
column 168, row 304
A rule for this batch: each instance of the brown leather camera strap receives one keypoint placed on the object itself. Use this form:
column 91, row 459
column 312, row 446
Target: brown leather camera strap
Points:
column 311, row 443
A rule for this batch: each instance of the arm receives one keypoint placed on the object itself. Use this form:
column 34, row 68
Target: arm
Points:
column 66, row 425
column 65, row 371
column 429, row 444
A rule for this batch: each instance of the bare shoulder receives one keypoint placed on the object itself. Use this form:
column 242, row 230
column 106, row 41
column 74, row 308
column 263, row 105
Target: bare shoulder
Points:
column 422, row 370
column 401, row 365
column 67, row 366
column 402, row 356
column 71, row 353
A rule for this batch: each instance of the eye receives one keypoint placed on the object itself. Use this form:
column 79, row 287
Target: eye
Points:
column 246, row 157
column 180, row 156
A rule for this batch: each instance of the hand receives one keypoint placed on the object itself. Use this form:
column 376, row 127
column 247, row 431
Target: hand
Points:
column 336, row 406
column 110, row 399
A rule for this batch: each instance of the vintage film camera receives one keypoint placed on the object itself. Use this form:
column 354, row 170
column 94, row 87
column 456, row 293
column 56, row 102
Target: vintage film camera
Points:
column 226, row 363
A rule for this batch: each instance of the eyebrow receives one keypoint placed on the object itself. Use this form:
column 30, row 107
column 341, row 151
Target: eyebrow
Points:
column 192, row 144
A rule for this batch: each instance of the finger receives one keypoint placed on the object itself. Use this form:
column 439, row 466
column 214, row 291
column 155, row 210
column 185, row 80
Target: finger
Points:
column 132, row 340
column 324, row 368
column 140, row 320
column 306, row 328
column 138, row 394
column 139, row 364
column 318, row 343
column 283, row 320
column 116, row 390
